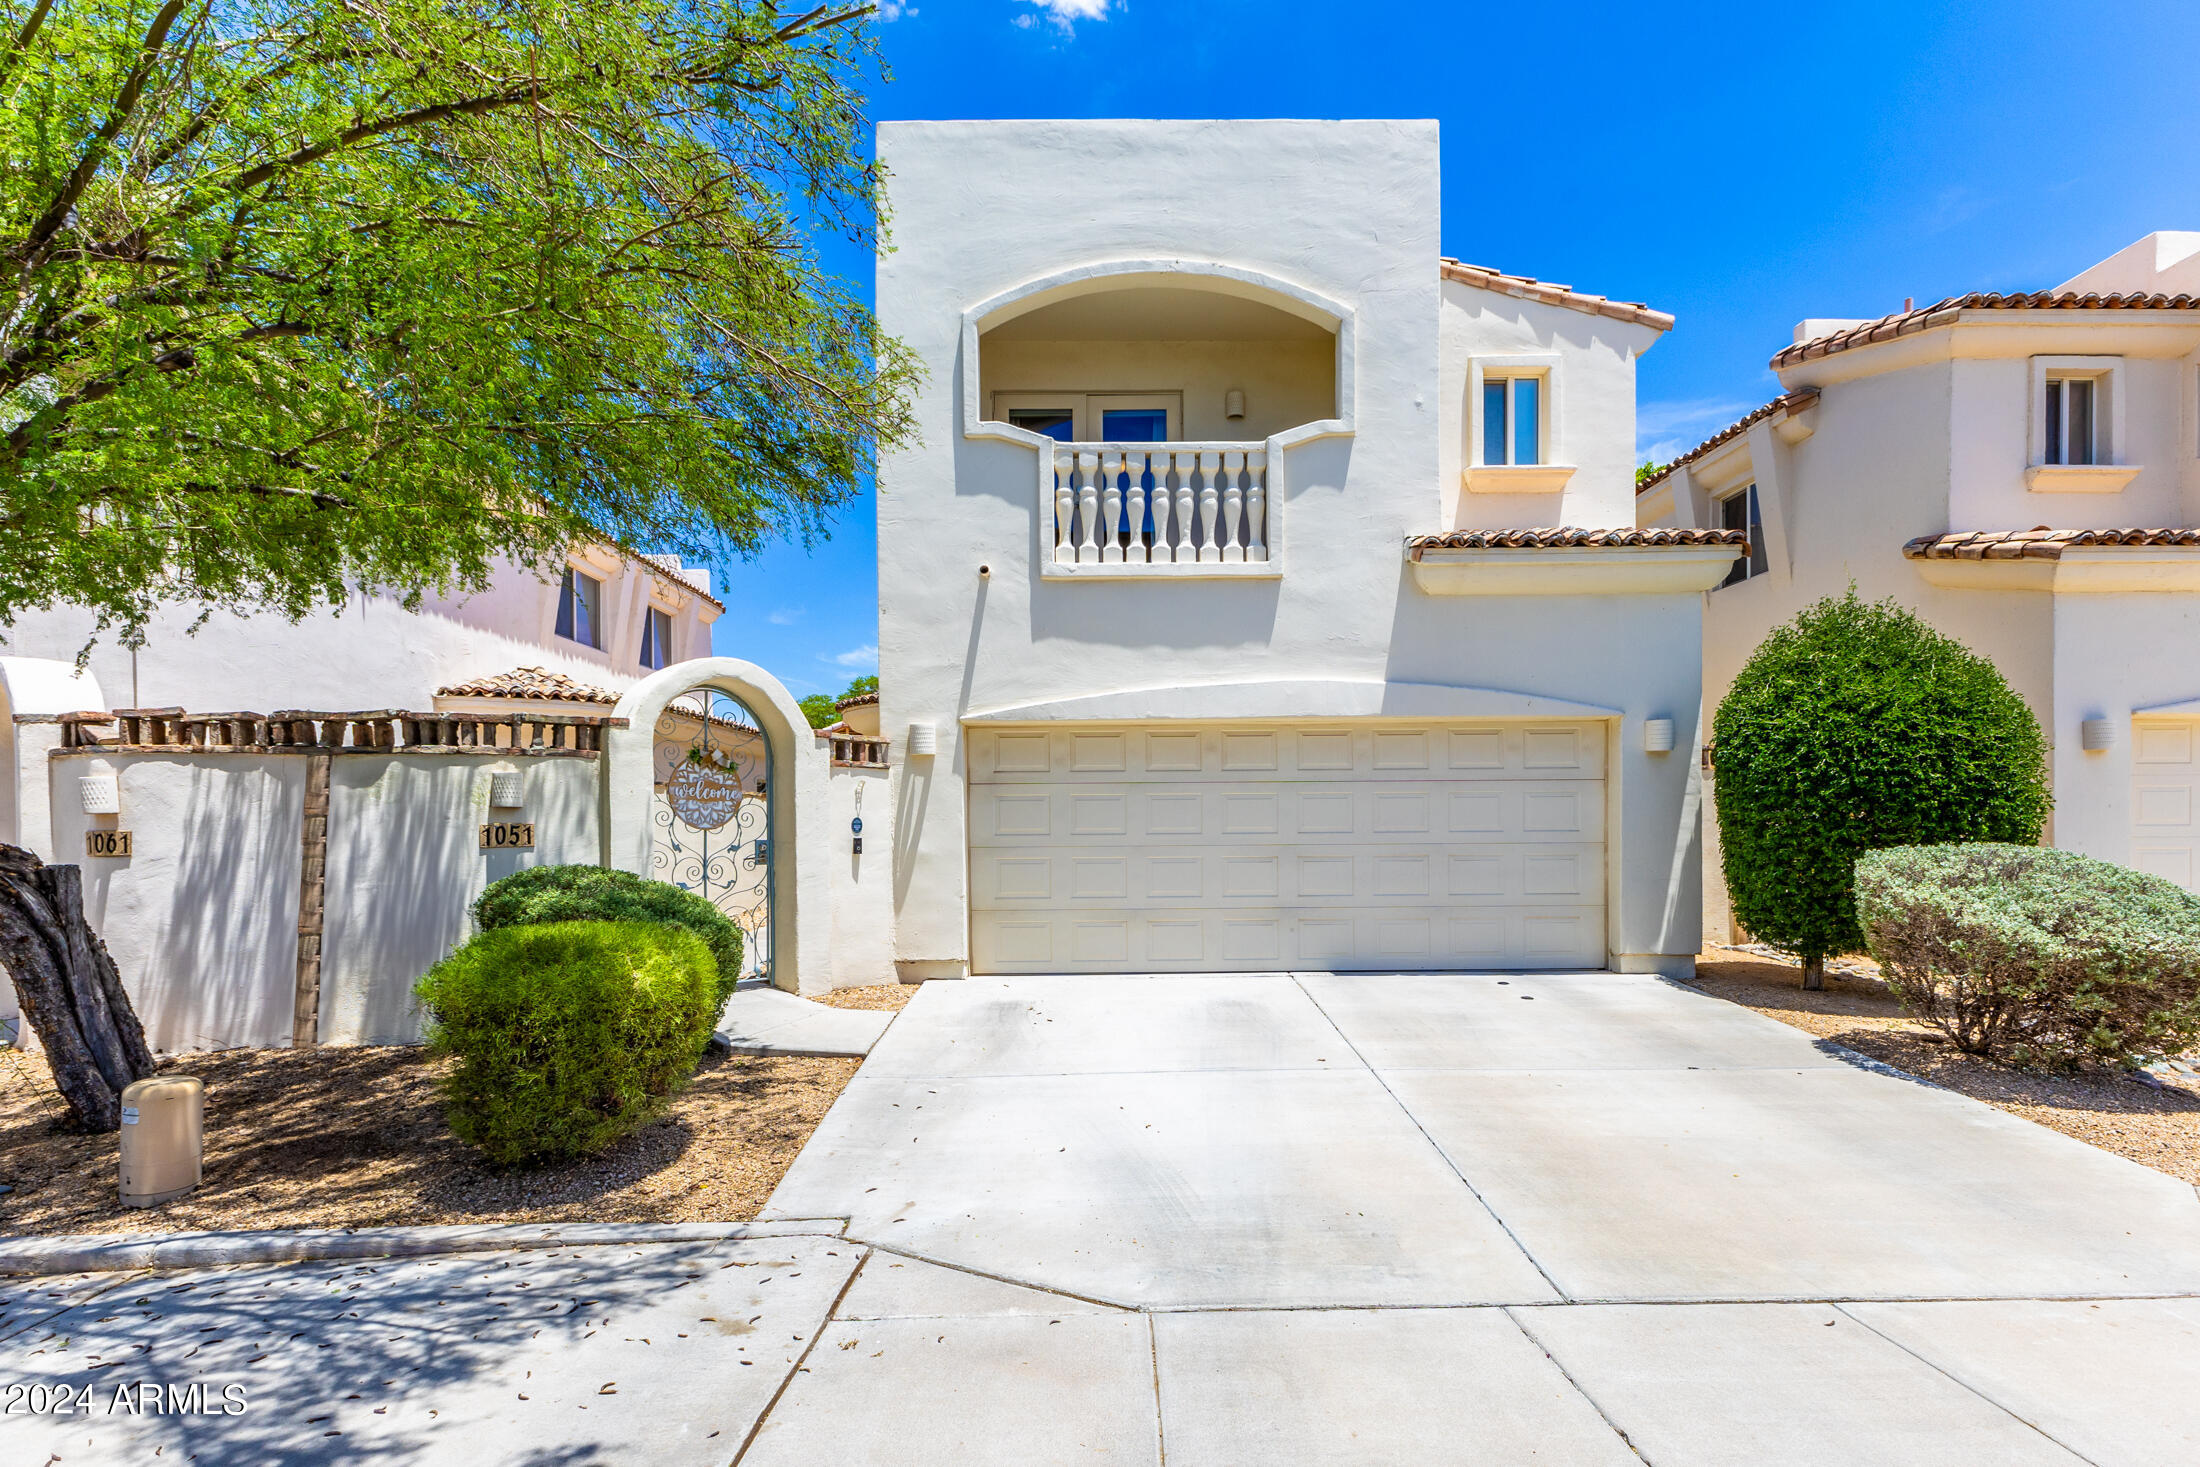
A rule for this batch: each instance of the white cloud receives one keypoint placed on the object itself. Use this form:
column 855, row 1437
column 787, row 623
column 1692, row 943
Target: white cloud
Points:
column 1065, row 13
column 785, row 616
column 1665, row 430
column 894, row 9
column 863, row 659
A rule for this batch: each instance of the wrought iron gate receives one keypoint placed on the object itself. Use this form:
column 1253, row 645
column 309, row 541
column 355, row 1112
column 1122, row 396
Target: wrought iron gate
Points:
column 710, row 812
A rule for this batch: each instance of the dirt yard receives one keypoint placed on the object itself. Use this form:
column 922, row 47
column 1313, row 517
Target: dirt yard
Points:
column 2157, row 1127
column 354, row 1137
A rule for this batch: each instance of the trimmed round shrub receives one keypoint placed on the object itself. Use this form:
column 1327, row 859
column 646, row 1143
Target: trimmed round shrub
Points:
column 598, row 894
column 568, row 1034
column 1855, row 728
column 2042, row 957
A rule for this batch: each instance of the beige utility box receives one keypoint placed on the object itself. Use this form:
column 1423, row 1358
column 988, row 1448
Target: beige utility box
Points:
column 163, row 1139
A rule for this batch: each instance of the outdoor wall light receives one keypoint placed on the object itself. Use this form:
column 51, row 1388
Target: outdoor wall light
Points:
column 506, row 788
column 924, row 740
column 2097, row 735
column 1657, row 735
column 101, row 793
column 1233, row 404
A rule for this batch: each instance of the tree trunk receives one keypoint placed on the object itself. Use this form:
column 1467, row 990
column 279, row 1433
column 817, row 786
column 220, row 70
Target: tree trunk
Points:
column 69, row 991
column 1814, row 972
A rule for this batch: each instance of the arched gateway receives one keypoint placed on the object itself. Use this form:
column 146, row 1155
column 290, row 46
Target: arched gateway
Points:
column 775, row 861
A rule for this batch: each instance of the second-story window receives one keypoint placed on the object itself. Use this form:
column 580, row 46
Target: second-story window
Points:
column 1738, row 511
column 580, row 608
column 2068, row 415
column 656, row 639
column 1512, row 420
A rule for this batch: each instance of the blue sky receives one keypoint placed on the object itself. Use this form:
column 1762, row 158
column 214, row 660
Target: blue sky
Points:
column 1740, row 165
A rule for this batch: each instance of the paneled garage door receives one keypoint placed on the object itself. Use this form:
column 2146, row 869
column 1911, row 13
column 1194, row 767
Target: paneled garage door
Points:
column 2165, row 777
column 1097, row 849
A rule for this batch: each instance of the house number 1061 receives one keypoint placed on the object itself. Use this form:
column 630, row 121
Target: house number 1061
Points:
column 106, row 842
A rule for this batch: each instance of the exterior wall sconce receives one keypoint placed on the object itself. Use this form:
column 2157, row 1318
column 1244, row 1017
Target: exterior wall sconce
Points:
column 505, row 789
column 101, row 793
column 924, row 740
column 2097, row 735
column 1657, row 736
column 1233, row 404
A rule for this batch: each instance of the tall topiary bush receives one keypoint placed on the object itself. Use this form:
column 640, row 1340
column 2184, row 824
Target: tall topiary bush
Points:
column 597, row 894
column 2040, row 956
column 569, row 1034
column 1854, row 728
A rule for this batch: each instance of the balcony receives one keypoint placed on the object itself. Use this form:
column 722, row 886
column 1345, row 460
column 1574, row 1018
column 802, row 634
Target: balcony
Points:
column 1195, row 509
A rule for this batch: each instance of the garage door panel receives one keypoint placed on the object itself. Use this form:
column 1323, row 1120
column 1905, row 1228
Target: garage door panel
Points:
column 2165, row 799
column 1260, row 875
column 1377, row 939
column 1203, row 814
column 1482, row 751
column 1103, row 849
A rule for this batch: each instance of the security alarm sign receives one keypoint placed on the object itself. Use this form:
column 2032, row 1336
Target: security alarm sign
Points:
column 508, row 835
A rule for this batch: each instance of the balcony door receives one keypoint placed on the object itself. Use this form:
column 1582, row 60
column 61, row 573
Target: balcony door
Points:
column 1095, row 417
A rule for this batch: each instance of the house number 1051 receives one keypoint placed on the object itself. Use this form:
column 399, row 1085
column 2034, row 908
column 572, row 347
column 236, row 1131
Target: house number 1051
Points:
column 508, row 835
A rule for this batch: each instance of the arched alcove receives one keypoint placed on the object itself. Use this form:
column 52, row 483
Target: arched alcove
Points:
column 796, row 815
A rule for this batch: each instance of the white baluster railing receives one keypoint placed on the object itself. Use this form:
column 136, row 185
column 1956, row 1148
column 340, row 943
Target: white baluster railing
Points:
column 1146, row 506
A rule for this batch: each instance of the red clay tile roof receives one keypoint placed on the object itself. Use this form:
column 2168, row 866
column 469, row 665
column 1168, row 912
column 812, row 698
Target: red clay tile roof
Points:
column 667, row 573
column 1940, row 313
column 1567, row 537
column 2035, row 544
column 1801, row 400
column 529, row 682
column 1528, row 287
column 860, row 700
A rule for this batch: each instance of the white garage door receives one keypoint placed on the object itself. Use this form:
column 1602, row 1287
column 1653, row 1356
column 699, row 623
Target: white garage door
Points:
column 2165, row 774
column 1100, row 849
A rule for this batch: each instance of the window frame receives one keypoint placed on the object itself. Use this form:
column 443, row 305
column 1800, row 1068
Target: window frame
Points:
column 1759, row 560
column 1511, row 368
column 571, row 605
column 654, row 616
column 2105, row 374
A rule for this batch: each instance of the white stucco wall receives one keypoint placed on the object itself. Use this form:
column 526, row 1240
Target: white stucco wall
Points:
column 862, row 886
column 405, row 863
column 984, row 208
column 373, row 653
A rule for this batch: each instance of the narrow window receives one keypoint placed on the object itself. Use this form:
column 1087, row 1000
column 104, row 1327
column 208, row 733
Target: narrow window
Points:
column 578, row 601
column 1493, row 421
column 1055, row 423
column 656, row 639
column 1738, row 511
column 2069, row 420
column 1527, row 435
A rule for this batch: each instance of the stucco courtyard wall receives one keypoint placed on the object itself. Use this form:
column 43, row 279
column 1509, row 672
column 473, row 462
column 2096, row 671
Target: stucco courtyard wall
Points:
column 985, row 209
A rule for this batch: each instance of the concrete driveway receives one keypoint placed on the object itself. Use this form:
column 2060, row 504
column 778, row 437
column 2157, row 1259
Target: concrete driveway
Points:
column 1585, row 1218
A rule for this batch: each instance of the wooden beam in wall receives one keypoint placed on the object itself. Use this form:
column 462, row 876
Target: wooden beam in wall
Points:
column 305, row 1014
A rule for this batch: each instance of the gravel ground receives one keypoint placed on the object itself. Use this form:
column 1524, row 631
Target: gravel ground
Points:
column 354, row 1137
column 2157, row 1127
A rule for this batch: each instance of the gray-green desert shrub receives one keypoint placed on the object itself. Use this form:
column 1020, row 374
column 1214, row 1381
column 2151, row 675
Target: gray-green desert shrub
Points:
column 568, row 1034
column 598, row 894
column 1854, row 728
column 2043, row 957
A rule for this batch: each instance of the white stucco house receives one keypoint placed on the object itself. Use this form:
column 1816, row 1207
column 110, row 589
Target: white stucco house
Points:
column 606, row 617
column 1266, row 591
column 2024, row 472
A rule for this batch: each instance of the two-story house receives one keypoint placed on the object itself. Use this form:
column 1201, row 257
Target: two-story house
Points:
column 1265, row 592
column 2024, row 472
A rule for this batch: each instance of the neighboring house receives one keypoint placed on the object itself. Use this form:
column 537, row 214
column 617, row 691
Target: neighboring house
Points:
column 2024, row 472
column 1223, row 619
column 607, row 616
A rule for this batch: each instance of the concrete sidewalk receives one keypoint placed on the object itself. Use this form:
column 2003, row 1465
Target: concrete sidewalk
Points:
column 762, row 1020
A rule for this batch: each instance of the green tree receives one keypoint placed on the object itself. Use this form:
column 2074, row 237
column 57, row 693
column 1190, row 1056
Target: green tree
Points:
column 820, row 710
column 1851, row 729
column 302, row 299
column 868, row 683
